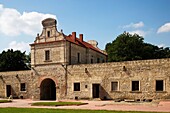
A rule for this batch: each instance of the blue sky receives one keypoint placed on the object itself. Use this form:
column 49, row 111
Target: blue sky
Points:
column 101, row 20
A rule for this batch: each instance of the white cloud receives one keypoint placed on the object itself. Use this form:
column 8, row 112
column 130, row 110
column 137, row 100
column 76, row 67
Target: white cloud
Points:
column 134, row 25
column 22, row 46
column 139, row 32
column 13, row 23
column 161, row 45
column 164, row 28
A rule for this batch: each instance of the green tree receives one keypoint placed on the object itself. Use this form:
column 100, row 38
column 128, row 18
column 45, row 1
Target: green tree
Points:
column 125, row 47
column 129, row 47
column 12, row 60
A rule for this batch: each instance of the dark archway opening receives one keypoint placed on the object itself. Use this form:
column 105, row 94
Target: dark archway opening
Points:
column 48, row 90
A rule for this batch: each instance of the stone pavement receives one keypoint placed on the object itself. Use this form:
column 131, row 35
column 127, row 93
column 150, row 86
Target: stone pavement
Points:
column 162, row 106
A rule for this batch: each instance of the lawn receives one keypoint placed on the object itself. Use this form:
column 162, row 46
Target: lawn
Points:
column 58, row 103
column 5, row 101
column 38, row 110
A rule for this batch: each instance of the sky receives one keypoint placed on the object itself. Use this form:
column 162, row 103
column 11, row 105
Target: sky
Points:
column 100, row 20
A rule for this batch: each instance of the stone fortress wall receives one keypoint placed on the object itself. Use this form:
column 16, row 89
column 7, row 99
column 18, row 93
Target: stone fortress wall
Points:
column 14, row 79
column 147, row 72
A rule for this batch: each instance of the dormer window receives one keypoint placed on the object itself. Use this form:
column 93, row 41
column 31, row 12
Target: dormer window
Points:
column 48, row 33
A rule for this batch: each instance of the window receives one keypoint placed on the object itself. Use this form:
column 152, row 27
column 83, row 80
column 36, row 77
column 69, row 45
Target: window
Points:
column 48, row 33
column 76, row 86
column 159, row 85
column 85, row 86
column 92, row 61
column 114, row 86
column 135, row 85
column 78, row 57
column 98, row 60
column 47, row 55
column 23, row 87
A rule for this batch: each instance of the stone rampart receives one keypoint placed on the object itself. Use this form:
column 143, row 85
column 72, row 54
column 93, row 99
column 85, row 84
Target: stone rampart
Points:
column 152, row 78
column 13, row 80
column 146, row 72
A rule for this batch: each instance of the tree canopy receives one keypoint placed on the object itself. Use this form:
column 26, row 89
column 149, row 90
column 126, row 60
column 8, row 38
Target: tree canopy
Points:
column 127, row 47
column 14, row 60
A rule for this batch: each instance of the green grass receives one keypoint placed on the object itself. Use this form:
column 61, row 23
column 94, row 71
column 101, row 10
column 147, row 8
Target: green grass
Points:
column 5, row 101
column 57, row 103
column 38, row 110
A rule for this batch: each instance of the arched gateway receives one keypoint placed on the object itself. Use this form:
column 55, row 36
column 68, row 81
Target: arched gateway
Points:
column 48, row 89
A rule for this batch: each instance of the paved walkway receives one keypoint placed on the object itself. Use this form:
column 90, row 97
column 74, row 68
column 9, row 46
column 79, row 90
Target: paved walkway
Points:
column 162, row 106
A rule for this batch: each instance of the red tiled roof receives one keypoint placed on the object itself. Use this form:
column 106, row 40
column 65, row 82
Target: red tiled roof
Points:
column 82, row 43
column 76, row 41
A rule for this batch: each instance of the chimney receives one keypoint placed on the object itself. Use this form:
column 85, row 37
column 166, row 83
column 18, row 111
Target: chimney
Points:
column 74, row 36
column 81, row 37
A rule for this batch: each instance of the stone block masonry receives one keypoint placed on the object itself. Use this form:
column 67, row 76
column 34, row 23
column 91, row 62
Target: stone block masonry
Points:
column 144, row 79
column 10, row 84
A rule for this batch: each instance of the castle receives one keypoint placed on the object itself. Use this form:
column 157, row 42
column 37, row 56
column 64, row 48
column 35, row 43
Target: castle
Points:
column 67, row 67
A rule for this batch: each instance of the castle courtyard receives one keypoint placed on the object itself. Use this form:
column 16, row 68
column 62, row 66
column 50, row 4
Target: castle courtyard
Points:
column 67, row 67
column 157, row 106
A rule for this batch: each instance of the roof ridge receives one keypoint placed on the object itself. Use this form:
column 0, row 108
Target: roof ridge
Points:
column 83, row 43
